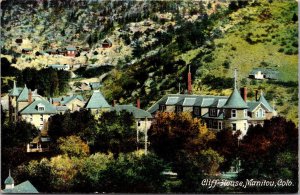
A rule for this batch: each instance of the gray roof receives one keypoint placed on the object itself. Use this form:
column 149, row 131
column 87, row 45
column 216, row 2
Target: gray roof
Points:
column 68, row 99
column 71, row 48
column 24, row 187
column 220, row 116
column 235, row 100
column 9, row 179
column 204, row 101
column 33, row 108
column 265, row 102
column 14, row 91
column 137, row 112
column 23, row 95
column 252, row 105
column 59, row 66
column 62, row 108
column 96, row 101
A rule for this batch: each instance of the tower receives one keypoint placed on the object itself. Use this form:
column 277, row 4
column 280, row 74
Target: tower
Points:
column 9, row 182
column 12, row 102
column 235, row 110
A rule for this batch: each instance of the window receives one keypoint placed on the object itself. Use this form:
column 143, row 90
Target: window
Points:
column 233, row 126
column 162, row 108
column 245, row 126
column 233, row 113
column 40, row 107
column 139, row 123
column 210, row 124
column 245, row 113
column 196, row 111
column 178, row 109
column 41, row 117
column 260, row 113
column 215, row 124
column 213, row 112
column 220, row 125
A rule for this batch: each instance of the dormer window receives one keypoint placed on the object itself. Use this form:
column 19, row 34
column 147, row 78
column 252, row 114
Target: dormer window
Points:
column 178, row 109
column 162, row 108
column 213, row 112
column 196, row 111
column 233, row 113
column 40, row 107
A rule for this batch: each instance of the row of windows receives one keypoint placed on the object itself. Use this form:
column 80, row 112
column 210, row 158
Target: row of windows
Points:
column 215, row 124
column 196, row 110
column 214, row 112
column 234, row 127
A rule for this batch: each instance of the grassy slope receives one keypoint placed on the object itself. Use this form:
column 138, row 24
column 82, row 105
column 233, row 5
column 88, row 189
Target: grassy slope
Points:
column 244, row 56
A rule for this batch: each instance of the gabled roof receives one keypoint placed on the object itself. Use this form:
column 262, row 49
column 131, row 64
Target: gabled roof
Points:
column 235, row 100
column 265, row 102
column 24, row 187
column 70, row 48
column 252, row 105
column 23, row 95
column 97, row 101
column 107, row 41
column 33, row 108
column 67, row 99
column 137, row 112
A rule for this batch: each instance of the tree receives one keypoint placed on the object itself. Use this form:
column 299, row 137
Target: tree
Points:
column 73, row 146
column 80, row 123
column 183, row 141
column 173, row 132
column 265, row 149
column 226, row 144
column 18, row 134
column 116, row 132
column 134, row 173
column 90, row 178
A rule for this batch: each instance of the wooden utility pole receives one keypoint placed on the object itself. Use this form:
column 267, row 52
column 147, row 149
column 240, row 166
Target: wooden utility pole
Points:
column 146, row 137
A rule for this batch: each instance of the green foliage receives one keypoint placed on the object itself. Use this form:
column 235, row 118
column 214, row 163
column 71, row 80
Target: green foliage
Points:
column 80, row 123
column 18, row 134
column 48, row 82
column 73, row 146
column 93, row 72
column 116, row 132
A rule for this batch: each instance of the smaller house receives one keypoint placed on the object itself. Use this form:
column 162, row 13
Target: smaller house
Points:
column 61, row 51
column 65, row 67
column 38, row 113
column 106, row 43
column 261, row 74
column 71, row 51
column 27, row 51
column 24, row 187
column 51, row 51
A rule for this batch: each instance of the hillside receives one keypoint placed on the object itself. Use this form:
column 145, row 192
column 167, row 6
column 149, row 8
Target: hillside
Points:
column 152, row 48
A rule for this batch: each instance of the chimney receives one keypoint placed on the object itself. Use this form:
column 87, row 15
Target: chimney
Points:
column 138, row 103
column 189, row 81
column 244, row 93
column 256, row 95
column 114, row 103
column 29, row 96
